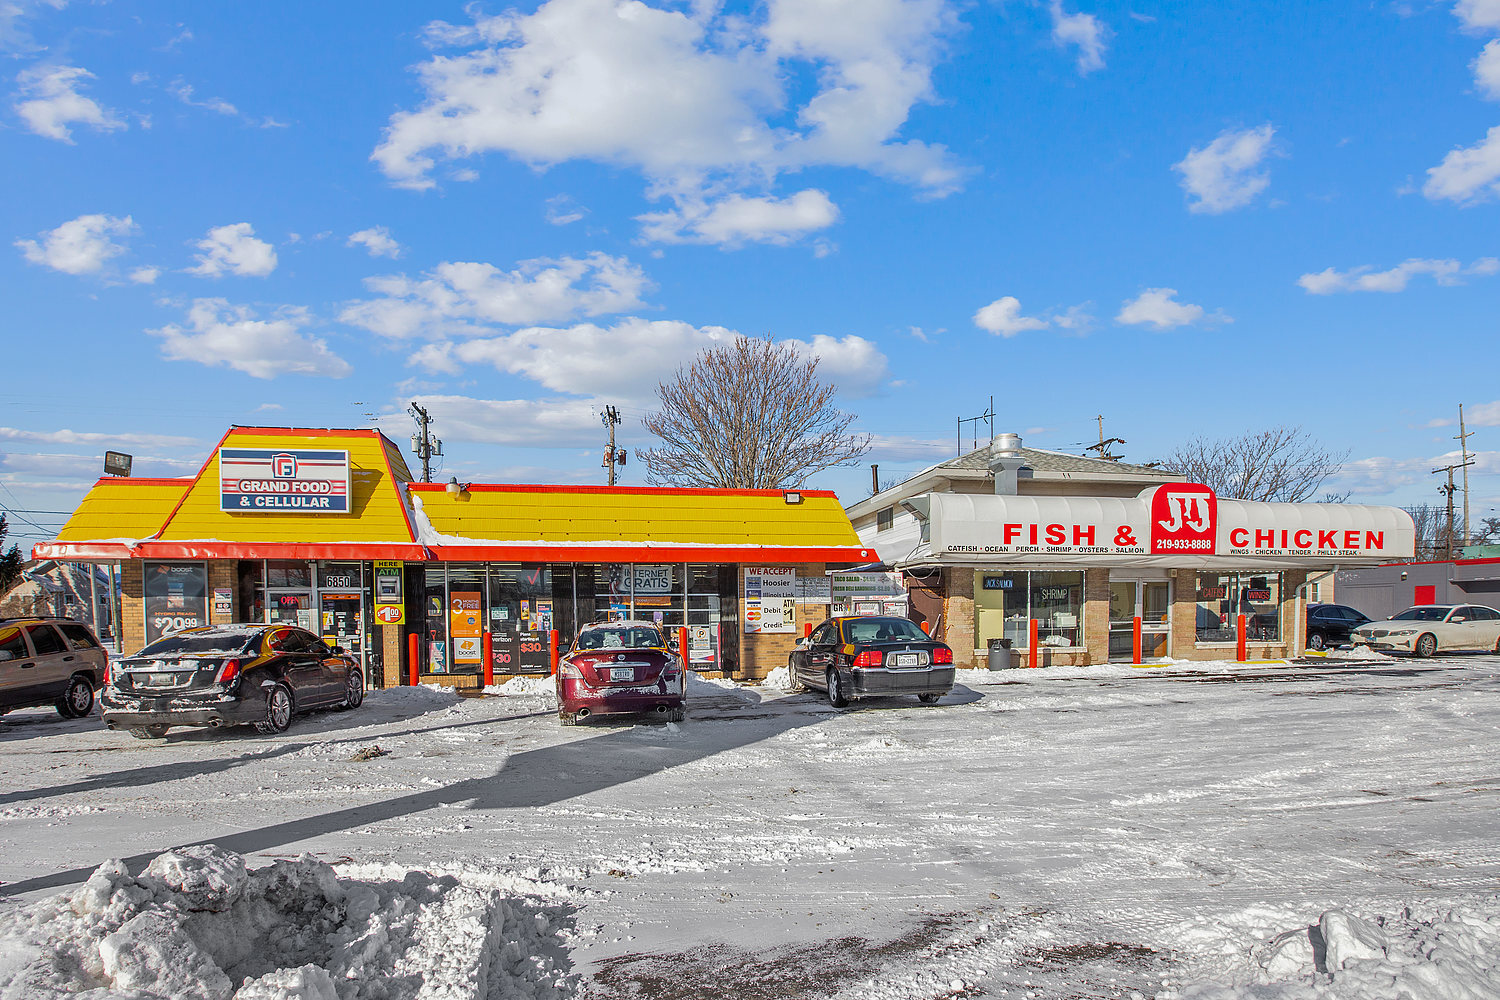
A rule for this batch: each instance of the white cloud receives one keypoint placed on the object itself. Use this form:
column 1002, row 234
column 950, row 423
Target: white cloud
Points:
column 1083, row 30
column 1003, row 316
column 184, row 93
column 461, row 298
column 79, row 246
column 234, row 249
column 1478, row 14
column 14, row 35
column 96, row 437
column 1223, row 175
column 1469, row 175
column 377, row 240
column 1483, row 415
column 1364, row 279
column 51, row 102
column 1155, row 307
column 535, row 423
column 737, row 220
column 563, row 210
column 696, row 100
column 145, row 275
column 853, row 364
column 1486, row 68
column 231, row 336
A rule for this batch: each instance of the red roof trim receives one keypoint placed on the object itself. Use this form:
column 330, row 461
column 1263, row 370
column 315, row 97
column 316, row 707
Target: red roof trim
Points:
column 621, row 490
column 212, row 456
column 648, row 554
column 280, row 550
column 395, row 488
column 1487, row 560
column 308, row 431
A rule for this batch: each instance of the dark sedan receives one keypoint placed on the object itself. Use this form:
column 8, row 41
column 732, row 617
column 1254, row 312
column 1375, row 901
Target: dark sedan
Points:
column 1331, row 625
column 870, row 656
column 225, row 675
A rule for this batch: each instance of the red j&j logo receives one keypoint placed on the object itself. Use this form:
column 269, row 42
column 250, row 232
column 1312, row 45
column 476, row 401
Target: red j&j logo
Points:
column 284, row 466
column 1184, row 518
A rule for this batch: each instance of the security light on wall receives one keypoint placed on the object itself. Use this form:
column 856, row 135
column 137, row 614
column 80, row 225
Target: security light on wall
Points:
column 791, row 496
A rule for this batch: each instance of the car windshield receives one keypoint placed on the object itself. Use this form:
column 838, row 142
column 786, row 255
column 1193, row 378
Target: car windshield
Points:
column 620, row 637
column 205, row 642
column 1421, row 615
column 881, row 630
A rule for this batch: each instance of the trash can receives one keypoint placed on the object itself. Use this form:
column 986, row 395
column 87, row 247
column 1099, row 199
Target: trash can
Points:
column 1000, row 654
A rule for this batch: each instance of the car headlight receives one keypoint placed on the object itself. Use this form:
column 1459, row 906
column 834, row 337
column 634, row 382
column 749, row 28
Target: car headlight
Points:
column 1405, row 631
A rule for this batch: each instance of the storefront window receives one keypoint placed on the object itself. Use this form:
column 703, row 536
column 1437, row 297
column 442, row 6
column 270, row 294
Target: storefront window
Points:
column 175, row 598
column 521, row 614
column 286, row 573
column 435, row 619
column 1005, row 603
column 1223, row 597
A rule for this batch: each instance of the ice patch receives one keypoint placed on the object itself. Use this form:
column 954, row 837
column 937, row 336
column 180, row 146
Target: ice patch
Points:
column 196, row 924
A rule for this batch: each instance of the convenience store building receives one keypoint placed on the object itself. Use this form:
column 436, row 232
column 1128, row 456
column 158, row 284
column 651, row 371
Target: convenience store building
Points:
column 325, row 528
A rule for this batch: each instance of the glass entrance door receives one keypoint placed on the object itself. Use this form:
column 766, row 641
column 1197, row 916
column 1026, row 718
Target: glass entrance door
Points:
column 1152, row 601
column 342, row 622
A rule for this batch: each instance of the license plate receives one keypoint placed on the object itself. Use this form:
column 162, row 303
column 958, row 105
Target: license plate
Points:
column 906, row 660
column 622, row 673
column 158, row 680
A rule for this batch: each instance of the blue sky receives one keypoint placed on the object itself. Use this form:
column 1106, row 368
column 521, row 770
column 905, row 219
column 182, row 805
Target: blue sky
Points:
column 1193, row 219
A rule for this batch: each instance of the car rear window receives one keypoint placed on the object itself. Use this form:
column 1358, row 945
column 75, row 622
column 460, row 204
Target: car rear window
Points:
column 45, row 640
column 80, row 636
column 208, row 642
column 882, row 630
column 625, row 637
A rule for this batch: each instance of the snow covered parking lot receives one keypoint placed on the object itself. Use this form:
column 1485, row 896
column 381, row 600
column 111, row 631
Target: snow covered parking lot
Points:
column 1206, row 831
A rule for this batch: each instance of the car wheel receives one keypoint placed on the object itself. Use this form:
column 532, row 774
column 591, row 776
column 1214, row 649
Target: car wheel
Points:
column 278, row 717
column 148, row 732
column 78, row 698
column 930, row 698
column 792, row 683
column 354, row 690
column 1426, row 645
column 837, row 696
column 567, row 718
column 676, row 714
column 1315, row 640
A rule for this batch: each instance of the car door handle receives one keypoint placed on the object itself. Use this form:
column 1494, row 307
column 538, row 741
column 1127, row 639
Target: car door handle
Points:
column 27, row 666
column 67, row 659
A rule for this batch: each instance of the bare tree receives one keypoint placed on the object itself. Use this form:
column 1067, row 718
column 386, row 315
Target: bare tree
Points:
column 751, row 414
column 1281, row 464
column 1430, row 523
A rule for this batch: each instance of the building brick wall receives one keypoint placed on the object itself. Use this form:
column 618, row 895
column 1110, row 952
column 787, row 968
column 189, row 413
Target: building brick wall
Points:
column 958, row 612
column 1096, row 615
column 762, row 652
column 132, row 605
column 222, row 573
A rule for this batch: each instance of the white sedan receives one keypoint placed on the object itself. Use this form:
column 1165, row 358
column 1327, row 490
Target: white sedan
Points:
column 1427, row 628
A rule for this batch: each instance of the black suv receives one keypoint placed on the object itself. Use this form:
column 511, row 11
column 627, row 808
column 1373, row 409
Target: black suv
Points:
column 50, row 661
column 1330, row 624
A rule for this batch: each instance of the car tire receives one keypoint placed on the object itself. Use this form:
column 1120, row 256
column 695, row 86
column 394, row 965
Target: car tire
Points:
column 792, row 683
column 78, row 698
column 279, row 708
column 148, row 732
column 1425, row 646
column 837, row 696
column 930, row 698
column 1315, row 640
column 354, row 690
column 567, row 719
column 676, row 714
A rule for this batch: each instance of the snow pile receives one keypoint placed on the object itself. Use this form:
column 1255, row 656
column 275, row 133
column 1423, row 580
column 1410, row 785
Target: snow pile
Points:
column 196, row 925
column 532, row 694
column 779, row 679
column 420, row 698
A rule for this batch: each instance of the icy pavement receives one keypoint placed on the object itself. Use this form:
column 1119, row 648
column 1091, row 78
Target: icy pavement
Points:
column 1191, row 830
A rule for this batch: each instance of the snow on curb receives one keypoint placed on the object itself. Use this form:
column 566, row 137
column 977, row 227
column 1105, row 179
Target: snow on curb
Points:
column 196, row 925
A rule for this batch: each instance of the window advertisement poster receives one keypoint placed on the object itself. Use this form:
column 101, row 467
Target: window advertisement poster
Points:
column 703, row 645
column 847, row 587
column 176, row 597
column 464, row 628
column 814, row 590
column 265, row 481
column 223, row 602
column 653, row 579
column 390, row 605
column 770, row 599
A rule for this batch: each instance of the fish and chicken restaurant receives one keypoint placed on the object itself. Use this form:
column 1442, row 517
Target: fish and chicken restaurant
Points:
column 1009, row 555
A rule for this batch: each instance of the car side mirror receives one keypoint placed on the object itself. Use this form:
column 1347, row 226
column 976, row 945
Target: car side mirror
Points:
column 340, row 651
column 1456, row 619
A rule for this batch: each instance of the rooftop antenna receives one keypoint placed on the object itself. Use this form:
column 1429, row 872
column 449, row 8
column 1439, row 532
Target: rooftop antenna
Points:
column 988, row 416
column 1103, row 446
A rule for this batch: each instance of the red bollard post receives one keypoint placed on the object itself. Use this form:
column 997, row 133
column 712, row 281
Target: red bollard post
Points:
column 1136, row 646
column 489, row 658
column 806, row 629
column 682, row 646
column 413, row 665
column 552, row 649
column 1239, row 642
column 1036, row 649
column 924, row 626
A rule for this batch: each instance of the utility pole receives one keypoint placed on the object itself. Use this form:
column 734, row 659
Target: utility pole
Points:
column 1463, row 444
column 1103, row 446
column 423, row 444
column 1449, row 490
column 612, row 458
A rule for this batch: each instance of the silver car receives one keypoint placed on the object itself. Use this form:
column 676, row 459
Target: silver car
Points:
column 1427, row 628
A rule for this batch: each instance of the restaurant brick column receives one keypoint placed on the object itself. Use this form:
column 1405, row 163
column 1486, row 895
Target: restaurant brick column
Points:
column 1293, row 611
column 1096, row 615
column 222, row 574
column 1185, row 615
column 393, row 665
column 132, row 606
column 958, row 613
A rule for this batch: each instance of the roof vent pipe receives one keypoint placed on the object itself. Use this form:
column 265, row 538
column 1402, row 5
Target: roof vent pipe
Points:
column 1006, row 463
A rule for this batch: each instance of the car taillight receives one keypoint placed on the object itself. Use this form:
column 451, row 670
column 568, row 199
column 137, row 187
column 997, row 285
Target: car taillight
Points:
column 869, row 658
column 228, row 672
column 942, row 655
column 569, row 670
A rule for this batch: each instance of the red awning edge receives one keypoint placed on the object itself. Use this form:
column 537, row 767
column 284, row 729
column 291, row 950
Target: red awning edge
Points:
column 148, row 549
column 649, row 554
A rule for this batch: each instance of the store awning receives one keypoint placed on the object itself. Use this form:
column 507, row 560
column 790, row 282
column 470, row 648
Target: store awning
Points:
column 634, row 525
column 1175, row 525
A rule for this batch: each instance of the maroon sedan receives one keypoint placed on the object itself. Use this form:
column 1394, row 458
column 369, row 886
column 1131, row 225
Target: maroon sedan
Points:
column 617, row 668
